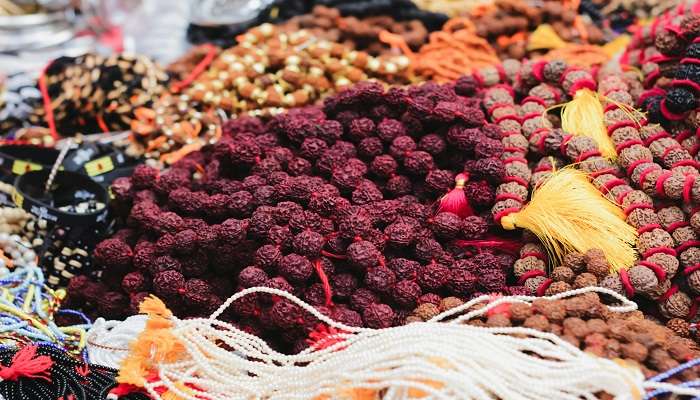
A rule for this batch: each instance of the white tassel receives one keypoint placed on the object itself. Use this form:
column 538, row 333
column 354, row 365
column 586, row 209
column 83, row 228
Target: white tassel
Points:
column 437, row 359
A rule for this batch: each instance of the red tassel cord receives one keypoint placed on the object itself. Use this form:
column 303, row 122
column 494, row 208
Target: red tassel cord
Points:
column 509, row 246
column 25, row 364
column 324, row 281
column 456, row 201
column 322, row 337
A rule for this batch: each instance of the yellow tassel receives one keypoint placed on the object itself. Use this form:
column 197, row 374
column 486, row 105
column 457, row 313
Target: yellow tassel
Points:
column 584, row 116
column 545, row 38
column 567, row 213
column 617, row 46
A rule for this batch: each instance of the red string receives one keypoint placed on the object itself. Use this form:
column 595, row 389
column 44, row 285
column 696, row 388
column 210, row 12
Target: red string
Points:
column 530, row 274
column 48, row 109
column 626, row 283
column 101, row 123
column 324, row 281
column 198, row 69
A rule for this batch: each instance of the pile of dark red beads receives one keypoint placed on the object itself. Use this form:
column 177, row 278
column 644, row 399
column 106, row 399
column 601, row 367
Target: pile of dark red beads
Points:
column 337, row 205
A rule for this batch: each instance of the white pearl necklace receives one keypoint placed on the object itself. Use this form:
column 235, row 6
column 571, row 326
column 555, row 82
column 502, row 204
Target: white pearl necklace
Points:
column 441, row 359
column 108, row 341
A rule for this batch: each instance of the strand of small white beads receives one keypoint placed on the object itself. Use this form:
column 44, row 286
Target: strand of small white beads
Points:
column 437, row 359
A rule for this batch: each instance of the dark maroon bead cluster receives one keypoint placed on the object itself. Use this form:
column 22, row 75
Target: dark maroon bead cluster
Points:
column 336, row 205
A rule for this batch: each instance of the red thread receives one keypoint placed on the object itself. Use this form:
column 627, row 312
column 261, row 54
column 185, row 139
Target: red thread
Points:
column 675, row 225
column 659, row 58
column 512, row 117
column 626, row 283
column 609, row 185
column 543, row 168
column 501, row 73
column 497, row 106
column 542, row 289
column 101, row 123
column 509, row 196
column 689, row 60
column 534, row 99
column 694, row 150
column 685, row 246
column 604, row 171
column 650, row 93
column 611, row 106
column 514, row 150
column 670, row 149
column 660, row 183
column 332, row 255
column 637, row 206
column 504, row 213
column 670, row 115
column 48, row 108
column 628, row 143
column 530, row 116
column 675, row 29
column 653, row 138
column 689, row 270
column 686, row 82
column 515, row 159
column 587, row 154
column 530, row 274
column 324, row 281
column 542, row 132
column 643, row 175
column 538, row 70
column 24, row 364
column 657, row 250
column 621, row 197
column 515, row 179
column 478, row 78
column 686, row 163
column 564, row 143
column 688, row 188
column 648, row 228
column 670, row 292
column 536, row 254
column 635, row 164
column 324, row 336
column 650, row 79
column 197, row 70
column 581, row 84
column 622, row 124
column 658, row 271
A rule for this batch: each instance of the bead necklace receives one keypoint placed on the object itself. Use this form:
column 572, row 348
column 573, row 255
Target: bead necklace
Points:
column 27, row 306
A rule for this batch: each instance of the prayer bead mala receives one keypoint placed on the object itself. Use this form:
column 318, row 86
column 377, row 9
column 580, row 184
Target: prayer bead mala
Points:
column 585, row 151
column 93, row 93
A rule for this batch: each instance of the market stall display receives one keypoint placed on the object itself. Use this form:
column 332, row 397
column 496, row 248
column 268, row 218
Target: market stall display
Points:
column 381, row 199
